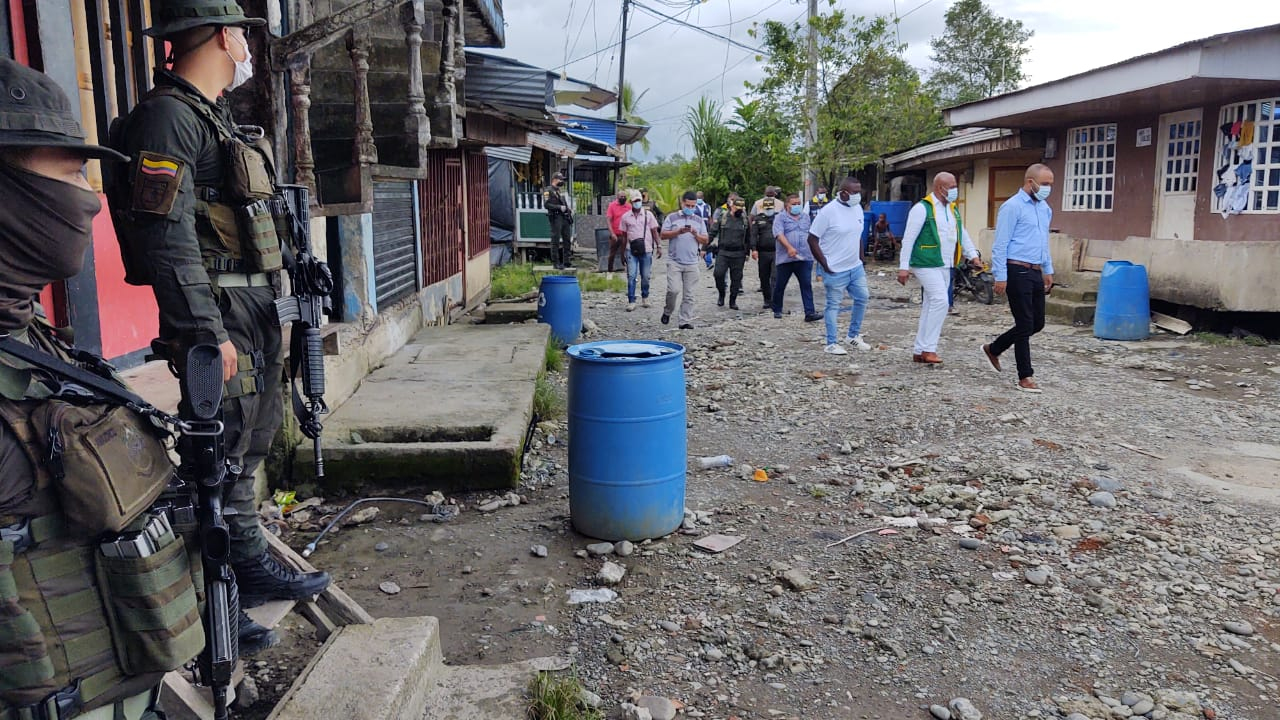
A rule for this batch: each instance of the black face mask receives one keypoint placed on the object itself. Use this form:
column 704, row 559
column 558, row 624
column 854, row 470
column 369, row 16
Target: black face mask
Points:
column 46, row 226
column 737, row 212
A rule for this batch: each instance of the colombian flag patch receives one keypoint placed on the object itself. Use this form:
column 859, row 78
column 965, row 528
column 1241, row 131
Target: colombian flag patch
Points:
column 159, row 167
column 157, row 181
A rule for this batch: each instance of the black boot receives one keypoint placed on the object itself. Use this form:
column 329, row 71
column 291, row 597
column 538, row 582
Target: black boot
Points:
column 265, row 578
column 720, row 302
column 733, row 301
column 255, row 638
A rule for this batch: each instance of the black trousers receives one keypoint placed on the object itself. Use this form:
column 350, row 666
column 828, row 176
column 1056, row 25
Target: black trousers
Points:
column 766, row 277
column 561, row 240
column 733, row 267
column 1025, row 290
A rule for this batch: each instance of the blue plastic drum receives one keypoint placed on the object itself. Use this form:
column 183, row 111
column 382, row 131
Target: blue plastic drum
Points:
column 895, row 212
column 1124, row 302
column 627, row 439
column 560, row 306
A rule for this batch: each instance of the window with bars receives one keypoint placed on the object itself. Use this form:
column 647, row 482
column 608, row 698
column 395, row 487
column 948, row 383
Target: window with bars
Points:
column 1091, row 168
column 1247, row 169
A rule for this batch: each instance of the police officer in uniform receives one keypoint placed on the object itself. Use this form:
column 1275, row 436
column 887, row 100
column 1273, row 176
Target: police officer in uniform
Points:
column 817, row 202
column 762, row 242
column 561, row 217
column 189, row 215
column 729, row 232
column 63, row 652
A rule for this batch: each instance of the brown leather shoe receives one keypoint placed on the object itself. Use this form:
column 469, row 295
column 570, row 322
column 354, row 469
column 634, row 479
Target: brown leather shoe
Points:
column 993, row 359
column 917, row 358
column 928, row 358
column 1028, row 385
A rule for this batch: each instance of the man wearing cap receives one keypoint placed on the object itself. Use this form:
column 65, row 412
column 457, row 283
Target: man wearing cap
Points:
column 59, row 648
column 187, row 212
column 560, row 215
column 638, row 229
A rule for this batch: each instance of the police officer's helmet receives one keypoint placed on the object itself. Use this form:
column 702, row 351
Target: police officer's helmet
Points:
column 35, row 112
column 175, row 16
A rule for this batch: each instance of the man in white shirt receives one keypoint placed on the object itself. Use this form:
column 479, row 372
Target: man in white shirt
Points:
column 930, row 247
column 836, row 242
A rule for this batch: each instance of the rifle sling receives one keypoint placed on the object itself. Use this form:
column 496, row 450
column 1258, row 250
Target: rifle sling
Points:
column 106, row 390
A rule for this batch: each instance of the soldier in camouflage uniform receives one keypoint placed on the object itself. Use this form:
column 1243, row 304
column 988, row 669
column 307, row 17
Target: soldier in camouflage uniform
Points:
column 189, row 215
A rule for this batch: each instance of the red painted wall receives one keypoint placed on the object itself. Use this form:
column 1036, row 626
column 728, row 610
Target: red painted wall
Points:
column 127, row 313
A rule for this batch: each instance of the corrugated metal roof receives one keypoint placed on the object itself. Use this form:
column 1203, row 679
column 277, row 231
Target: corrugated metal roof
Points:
column 504, row 81
column 553, row 144
column 514, row 154
column 597, row 129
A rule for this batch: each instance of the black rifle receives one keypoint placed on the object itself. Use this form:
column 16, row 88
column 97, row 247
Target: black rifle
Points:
column 311, row 282
column 204, row 466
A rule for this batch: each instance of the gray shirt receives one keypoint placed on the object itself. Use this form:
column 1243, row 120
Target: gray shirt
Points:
column 683, row 248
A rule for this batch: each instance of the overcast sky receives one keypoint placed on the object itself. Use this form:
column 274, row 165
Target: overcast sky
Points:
column 674, row 65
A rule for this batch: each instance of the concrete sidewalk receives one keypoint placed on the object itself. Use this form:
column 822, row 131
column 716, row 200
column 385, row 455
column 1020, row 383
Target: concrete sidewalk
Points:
column 450, row 410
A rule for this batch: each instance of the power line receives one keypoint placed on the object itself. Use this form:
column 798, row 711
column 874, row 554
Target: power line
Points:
column 678, row 21
column 699, row 87
column 766, row 9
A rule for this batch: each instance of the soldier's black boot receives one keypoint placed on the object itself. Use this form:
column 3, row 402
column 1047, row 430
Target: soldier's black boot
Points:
column 255, row 638
column 266, row 578
column 733, row 301
column 720, row 302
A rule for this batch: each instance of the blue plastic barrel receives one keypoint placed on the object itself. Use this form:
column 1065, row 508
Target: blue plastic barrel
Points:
column 1124, row 302
column 895, row 212
column 626, row 438
column 560, row 306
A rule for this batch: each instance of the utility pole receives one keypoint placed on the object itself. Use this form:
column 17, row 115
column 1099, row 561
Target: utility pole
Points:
column 811, row 104
column 622, row 56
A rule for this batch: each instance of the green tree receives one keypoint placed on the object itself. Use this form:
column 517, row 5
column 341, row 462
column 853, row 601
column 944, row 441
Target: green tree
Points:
column 979, row 55
column 870, row 101
column 630, row 101
column 753, row 148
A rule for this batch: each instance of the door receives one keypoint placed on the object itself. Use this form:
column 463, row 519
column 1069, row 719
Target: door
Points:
column 1005, row 183
column 1177, row 175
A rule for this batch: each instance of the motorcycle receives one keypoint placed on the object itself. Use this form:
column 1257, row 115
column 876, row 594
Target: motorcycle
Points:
column 973, row 276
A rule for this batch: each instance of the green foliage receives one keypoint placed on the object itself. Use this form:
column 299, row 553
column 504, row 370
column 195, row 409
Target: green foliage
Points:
column 630, row 101
column 753, row 148
column 979, row 55
column 547, row 401
column 558, row 698
column 516, row 279
column 553, row 356
column 870, row 101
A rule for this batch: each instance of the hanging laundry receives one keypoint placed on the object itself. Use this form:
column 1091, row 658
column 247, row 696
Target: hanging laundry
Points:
column 1246, row 133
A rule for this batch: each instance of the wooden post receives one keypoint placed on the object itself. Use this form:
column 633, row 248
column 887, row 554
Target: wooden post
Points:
column 300, row 95
column 364, row 152
column 417, row 126
column 447, row 90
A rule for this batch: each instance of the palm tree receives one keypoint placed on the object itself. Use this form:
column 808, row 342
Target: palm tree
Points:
column 630, row 101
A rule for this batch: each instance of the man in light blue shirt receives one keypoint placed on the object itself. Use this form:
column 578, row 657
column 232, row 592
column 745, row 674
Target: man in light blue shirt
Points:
column 1023, row 269
column 793, row 257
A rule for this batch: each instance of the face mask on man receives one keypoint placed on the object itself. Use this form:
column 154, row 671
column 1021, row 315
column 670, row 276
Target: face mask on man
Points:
column 622, row 201
column 46, row 226
column 687, row 211
column 637, row 206
column 850, row 199
column 701, row 202
column 244, row 68
column 822, row 197
column 1042, row 192
column 952, row 194
column 793, row 209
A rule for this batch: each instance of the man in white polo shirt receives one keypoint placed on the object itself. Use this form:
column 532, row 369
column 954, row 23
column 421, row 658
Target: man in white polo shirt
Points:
column 836, row 241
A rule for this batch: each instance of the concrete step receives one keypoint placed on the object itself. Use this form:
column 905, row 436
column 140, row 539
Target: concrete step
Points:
column 393, row 669
column 368, row 672
column 1070, row 312
column 499, row 313
column 1076, row 293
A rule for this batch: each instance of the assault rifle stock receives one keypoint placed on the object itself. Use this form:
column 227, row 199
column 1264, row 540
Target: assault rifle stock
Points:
column 204, row 466
column 311, row 299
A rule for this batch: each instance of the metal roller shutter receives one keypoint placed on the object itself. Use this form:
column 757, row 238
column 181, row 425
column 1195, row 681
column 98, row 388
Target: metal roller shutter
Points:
column 395, row 241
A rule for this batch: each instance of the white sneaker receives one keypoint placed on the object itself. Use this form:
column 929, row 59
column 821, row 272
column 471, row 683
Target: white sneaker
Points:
column 856, row 341
column 644, row 302
column 631, row 307
column 835, row 349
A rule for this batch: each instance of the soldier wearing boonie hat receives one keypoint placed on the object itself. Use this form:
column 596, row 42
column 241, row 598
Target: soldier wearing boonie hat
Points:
column 188, row 213
column 59, row 653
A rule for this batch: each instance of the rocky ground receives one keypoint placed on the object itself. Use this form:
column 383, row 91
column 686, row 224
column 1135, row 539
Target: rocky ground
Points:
column 1106, row 549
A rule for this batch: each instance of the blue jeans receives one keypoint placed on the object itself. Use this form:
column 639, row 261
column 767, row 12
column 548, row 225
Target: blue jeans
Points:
column 853, row 282
column 803, row 272
column 642, row 266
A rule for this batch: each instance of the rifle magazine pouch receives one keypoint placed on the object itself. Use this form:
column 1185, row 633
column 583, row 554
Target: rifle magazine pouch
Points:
column 261, row 247
column 249, row 172
column 218, row 227
column 151, row 609
column 107, row 463
column 24, row 657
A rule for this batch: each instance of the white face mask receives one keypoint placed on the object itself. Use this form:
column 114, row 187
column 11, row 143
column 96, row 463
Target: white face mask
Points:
column 244, row 68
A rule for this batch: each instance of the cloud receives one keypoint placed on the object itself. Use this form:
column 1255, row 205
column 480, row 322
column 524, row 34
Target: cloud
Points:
column 674, row 66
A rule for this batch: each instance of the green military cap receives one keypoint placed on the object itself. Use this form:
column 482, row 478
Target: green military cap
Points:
column 174, row 16
column 35, row 112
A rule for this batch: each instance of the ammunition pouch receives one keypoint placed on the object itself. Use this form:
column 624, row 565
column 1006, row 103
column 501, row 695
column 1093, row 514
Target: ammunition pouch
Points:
column 250, row 173
column 152, row 608
column 248, row 379
column 241, row 239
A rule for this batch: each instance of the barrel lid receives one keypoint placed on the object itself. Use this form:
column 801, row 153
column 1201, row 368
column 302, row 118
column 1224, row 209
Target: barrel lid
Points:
column 625, row 350
column 560, row 279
